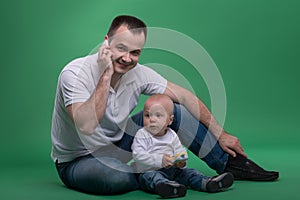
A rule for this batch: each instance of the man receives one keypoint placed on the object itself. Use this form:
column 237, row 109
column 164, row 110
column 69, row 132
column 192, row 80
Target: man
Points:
column 91, row 129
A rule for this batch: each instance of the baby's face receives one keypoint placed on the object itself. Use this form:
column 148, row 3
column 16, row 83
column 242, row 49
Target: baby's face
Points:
column 156, row 119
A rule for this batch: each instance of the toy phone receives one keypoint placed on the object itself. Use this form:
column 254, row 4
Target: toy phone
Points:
column 180, row 157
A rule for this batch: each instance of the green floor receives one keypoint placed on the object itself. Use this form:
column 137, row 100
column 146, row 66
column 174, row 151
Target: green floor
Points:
column 40, row 182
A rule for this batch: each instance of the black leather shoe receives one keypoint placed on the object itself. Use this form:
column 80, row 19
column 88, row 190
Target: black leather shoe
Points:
column 244, row 169
column 219, row 183
column 170, row 189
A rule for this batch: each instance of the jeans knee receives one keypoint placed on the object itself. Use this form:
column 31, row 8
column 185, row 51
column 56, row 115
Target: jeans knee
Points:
column 148, row 176
column 146, row 181
column 101, row 176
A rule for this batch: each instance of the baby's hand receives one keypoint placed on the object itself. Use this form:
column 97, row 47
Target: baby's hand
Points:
column 180, row 164
column 167, row 161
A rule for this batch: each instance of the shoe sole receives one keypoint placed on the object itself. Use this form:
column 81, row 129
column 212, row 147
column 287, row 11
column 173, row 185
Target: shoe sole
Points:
column 220, row 183
column 171, row 191
column 266, row 178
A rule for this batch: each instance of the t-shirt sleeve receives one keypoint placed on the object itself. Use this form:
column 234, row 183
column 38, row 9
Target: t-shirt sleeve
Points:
column 153, row 82
column 178, row 148
column 73, row 88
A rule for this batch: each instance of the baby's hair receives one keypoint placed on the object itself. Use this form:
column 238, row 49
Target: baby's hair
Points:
column 167, row 104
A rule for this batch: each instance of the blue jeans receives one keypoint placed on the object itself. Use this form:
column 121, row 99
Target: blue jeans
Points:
column 186, row 176
column 106, row 171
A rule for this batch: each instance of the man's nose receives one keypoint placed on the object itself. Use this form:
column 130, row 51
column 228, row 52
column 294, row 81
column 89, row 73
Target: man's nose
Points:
column 126, row 57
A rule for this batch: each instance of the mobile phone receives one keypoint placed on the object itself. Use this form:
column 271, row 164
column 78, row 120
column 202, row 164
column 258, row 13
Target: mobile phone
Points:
column 106, row 40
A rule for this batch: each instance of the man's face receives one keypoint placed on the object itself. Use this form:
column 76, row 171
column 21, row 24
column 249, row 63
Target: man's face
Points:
column 126, row 48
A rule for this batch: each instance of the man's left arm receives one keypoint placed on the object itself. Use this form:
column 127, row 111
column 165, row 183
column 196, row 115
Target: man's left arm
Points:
column 198, row 109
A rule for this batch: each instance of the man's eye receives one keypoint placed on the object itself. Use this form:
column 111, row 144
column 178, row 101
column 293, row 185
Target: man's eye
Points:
column 136, row 53
column 121, row 48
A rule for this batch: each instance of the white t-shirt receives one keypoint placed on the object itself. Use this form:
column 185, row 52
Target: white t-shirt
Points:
column 76, row 83
column 148, row 150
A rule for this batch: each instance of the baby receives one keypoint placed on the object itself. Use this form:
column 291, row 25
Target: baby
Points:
column 161, row 159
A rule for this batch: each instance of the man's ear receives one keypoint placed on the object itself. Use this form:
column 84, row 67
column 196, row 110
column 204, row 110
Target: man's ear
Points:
column 171, row 119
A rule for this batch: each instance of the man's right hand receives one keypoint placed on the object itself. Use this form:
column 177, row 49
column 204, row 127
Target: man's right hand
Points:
column 105, row 59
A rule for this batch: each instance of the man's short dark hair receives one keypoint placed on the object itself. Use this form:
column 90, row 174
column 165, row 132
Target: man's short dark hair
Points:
column 133, row 24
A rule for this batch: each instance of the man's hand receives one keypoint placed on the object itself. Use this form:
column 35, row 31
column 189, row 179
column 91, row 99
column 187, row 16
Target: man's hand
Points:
column 105, row 58
column 167, row 161
column 231, row 144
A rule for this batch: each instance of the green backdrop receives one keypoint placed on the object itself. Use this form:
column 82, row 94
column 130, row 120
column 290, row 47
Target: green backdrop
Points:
column 255, row 45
